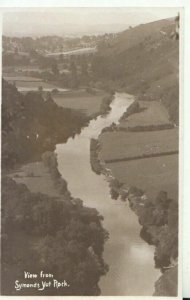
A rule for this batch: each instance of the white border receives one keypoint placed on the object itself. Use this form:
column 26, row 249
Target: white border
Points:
column 184, row 209
column 186, row 152
column 93, row 3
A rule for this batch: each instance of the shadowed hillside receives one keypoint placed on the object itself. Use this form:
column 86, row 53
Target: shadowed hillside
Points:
column 46, row 229
column 32, row 124
column 142, row 61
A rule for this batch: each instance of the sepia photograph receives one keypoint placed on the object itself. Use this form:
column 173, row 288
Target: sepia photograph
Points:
column 90, row 151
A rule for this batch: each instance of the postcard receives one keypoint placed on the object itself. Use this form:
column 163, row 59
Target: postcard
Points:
column 90, row 151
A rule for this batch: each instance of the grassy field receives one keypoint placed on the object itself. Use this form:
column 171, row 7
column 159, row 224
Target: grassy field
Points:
column 129, row 144
column 37, row 179
column 153, row 113
column 21, row 78
column 153, row 174
column 21, row 71
column 150, row 174
column 80, row 100
column 75, row 99
column 34, row 84
column 26, row 84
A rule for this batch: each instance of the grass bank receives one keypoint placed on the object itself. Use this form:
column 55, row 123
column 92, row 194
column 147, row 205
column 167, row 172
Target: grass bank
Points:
column 91, row 102
column 149, row 184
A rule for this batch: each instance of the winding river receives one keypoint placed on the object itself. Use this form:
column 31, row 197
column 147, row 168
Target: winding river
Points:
column 130, row 259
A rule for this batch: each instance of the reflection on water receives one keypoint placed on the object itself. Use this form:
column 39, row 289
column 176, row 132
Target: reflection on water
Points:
column 130, row 259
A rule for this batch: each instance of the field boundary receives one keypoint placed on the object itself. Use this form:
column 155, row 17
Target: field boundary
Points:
column 141, row 156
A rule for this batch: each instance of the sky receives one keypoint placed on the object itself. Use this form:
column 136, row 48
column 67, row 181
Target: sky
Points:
column 78, row 21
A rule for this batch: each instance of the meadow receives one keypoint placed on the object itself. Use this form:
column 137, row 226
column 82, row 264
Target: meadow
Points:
column 151, row 113
column 80, row 100
column 26, row 84
column 152, row 175
column 19, row 78
column 118, row 144
column 37, row 179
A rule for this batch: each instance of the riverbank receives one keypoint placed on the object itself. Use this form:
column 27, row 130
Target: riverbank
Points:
column 127, row 255
column 91, row 102
column 27, row 120
column 156, row 211
column 43, row 226
column 45, row 211
column 32, row 124
column 152, row 172
column 36, row 214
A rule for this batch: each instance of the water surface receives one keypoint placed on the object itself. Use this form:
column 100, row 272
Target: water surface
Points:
column 130, row 259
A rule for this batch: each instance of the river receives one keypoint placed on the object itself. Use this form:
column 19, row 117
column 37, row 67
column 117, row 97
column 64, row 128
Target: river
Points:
column 130, row 259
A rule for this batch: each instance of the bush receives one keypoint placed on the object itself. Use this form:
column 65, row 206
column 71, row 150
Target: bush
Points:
column 135, row 191
column 114, row 194
column 54, row 91
column 91, row 91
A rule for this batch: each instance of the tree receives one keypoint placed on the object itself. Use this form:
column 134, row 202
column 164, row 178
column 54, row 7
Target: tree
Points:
column 84, row 71
column 74, row 77
column 55, row 69
column 61, row 57
column 16, row 50
column 40, row 89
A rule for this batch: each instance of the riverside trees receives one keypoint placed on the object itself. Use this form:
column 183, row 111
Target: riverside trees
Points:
column 58, row 237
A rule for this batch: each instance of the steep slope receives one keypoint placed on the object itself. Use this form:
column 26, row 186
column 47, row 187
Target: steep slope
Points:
column 32, row 125
column 133, row 36
column 143, row 61
column 45, row 229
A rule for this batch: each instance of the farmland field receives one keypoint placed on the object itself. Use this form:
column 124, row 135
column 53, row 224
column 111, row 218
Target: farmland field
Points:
column 36, row 177
column 153, row 113
column 21, row 78
column 150, row 174
column 81, row 100
column 22, row 72
column 129, row 144
column 75, row 99
column 26, row 84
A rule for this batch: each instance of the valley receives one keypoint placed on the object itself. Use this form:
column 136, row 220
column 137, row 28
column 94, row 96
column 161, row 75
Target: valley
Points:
column 90, row 143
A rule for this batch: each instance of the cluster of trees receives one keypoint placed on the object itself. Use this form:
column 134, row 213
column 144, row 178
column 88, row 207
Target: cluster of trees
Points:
column 94, row 160
column 13, row 59
column 32, row 125
column 39, row 232
column 71, row 73
column 115, row 186
column 44, row 43
column 160, row 227
column 53, row 43
column 171, row 101
column 159, row 219
column 59, row 237
column 108, row 67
